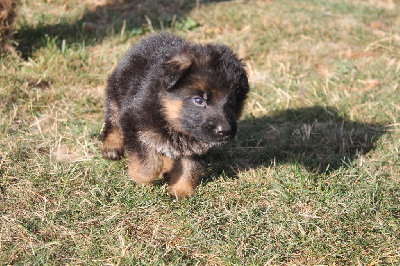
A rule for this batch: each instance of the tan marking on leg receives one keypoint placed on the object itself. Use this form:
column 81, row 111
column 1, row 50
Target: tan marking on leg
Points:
column 168, row 164
column 172, row 111
column 144, row 170
column 113, row 145
column 183, row 178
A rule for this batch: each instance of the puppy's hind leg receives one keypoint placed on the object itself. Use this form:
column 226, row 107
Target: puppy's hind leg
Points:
column 113, row 143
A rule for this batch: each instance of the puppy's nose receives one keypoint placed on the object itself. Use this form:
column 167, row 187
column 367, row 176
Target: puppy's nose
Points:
column 223, row 130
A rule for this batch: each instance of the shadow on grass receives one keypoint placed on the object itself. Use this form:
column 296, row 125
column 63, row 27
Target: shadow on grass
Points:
column 134, row 17
column 319, row 138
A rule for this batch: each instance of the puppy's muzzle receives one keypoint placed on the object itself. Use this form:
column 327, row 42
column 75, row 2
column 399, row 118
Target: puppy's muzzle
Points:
column 218, row 130
column 223, row 130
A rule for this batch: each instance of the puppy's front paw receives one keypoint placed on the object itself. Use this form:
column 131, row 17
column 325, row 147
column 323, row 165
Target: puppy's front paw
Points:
column 112, row 154
column 113, row 145
column 181, row 190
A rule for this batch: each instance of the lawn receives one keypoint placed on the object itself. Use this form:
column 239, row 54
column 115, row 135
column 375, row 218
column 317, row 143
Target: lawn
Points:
column 313, row 176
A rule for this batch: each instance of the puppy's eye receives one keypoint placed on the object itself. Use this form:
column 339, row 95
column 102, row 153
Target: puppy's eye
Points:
column 199, row 101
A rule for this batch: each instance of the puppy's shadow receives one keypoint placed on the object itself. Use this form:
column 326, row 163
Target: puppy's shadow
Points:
column 319, row 138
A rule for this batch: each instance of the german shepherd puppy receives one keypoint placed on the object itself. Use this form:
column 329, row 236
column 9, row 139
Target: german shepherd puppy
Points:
column 168, row 103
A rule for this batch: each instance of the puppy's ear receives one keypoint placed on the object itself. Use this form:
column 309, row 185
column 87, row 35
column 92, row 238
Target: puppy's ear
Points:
column 175, row 68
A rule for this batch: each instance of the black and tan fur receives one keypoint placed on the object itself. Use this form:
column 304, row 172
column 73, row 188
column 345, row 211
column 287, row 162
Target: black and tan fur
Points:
column 168, row 103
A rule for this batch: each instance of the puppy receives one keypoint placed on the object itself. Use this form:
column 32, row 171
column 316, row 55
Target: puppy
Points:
column 167, row 104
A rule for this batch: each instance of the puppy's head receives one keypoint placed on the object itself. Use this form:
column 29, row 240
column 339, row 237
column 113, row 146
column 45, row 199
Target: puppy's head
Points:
column 204, row 92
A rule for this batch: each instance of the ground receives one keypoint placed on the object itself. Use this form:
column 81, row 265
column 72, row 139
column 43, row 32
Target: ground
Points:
column 313, row 176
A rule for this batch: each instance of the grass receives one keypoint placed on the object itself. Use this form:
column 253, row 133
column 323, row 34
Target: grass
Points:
column 312, row 178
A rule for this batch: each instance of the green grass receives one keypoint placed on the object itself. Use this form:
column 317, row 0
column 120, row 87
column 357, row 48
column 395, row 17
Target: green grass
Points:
column 313, row 176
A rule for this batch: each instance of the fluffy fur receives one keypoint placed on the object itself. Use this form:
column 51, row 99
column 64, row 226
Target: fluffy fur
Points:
column 168, row 103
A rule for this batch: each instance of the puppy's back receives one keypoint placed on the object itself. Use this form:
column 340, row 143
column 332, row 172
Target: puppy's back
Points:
column 155, row 46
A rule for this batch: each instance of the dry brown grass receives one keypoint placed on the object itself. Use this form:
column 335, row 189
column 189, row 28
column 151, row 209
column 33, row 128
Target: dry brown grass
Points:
column 313, row 177
column 7, row 17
